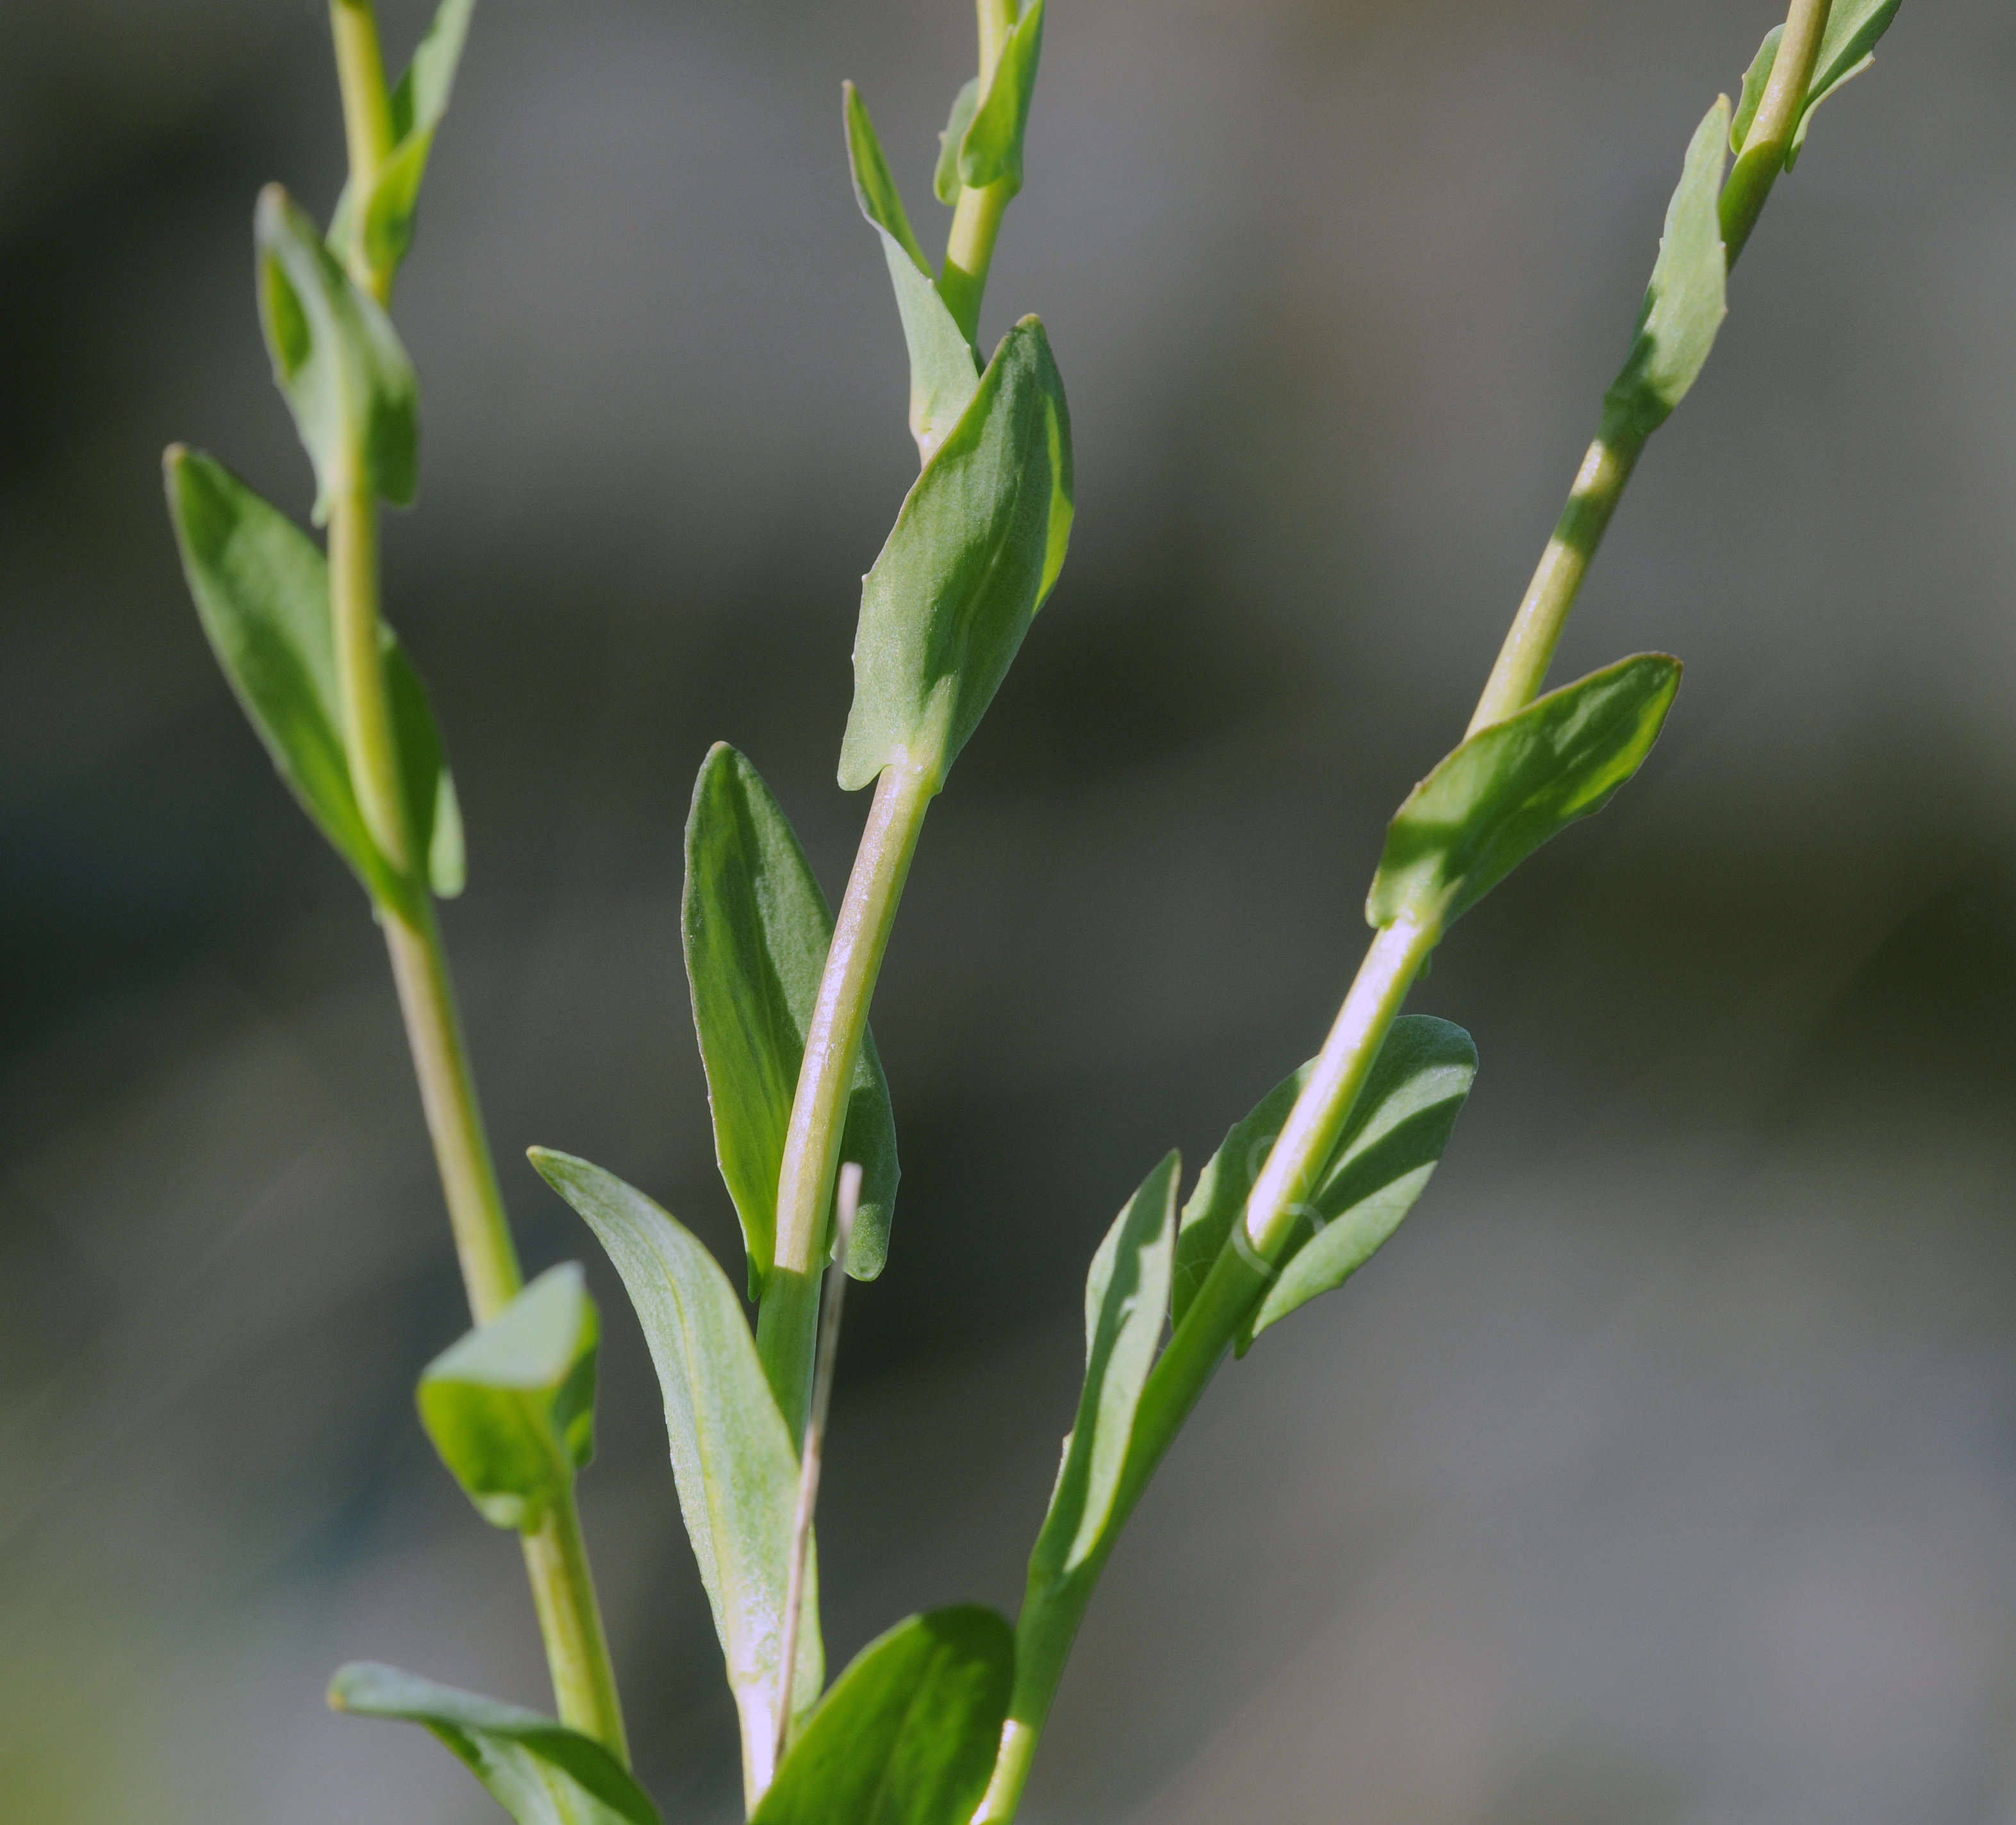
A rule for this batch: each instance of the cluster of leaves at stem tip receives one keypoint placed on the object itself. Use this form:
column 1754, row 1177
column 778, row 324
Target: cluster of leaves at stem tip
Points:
column 937, row 1721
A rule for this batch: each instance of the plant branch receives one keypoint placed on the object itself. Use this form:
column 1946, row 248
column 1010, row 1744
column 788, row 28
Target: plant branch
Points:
column 367, row 124
column 1762, row 158
column 976, row 218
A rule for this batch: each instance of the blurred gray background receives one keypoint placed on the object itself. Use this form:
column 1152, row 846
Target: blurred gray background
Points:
column 1662, row 1471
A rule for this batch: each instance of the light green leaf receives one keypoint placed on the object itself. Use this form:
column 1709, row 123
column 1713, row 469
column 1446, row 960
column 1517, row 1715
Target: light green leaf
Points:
column 419, row 102
column 1847, row 47
column 945, row 180
column 757, row 929
column 538, row 1770
column 510, row 1407
column 1511, row 786
column 944, row 374
column 261, row 592
column 908, row 1732
column 991, row 151
column 1687, row 298
column 1125, row 1295
column 974, row 553
column 336, row 358
column 1379, row 1167
column 736, row 1467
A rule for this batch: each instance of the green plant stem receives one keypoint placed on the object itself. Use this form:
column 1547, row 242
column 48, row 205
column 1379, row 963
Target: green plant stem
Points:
column 1536, row 628
column 555, row 1556
column 976, row 218
column 787, row 1323
column 1762, row 158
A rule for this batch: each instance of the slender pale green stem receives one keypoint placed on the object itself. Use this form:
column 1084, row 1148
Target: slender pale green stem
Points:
column 1762, row 158
column 787, row 1323
column 976, row 217
column 555, row 1556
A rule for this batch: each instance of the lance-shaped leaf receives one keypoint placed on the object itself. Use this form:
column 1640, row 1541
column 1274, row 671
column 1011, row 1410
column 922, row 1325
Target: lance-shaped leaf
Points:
column 945, row 180
column 1686, row 300
column 419, row 102
column 1510, row 787
column 538, row 1770
column 757, row 928
column 944, row 374
column 1847, row 47
column 908, row 1732
column 1378, row 1167
column 1376, row 1172
column 1125, row 1295
column 336, row 358
column 261, row 592
column 736, row 1468
column 974, row 553
column 510, row 1406
column 990, row 150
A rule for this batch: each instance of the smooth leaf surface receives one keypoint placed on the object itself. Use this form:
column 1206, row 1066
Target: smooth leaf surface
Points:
column 908, row 1734
column 1378, row 1167
column 260, row 587
column 944, row 374
column 336, row 359
column 419, row 102
column 1510, row 787
column 510, row 1406
column 757, row 928
column 1125, row 1295
column 945, row 179
column 1755, row 80
column 1686, row 300
column 974, row 553
column 537, row 1769
column 736, row 1468
column 1847, row 47
column 990, row 151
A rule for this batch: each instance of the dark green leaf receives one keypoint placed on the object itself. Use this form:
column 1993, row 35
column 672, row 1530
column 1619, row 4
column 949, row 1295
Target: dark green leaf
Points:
column 261, row 591
column 1379, row 1167
column 945, row 180
column 974, row 551
column 419, row 102
column 991, row 151
column 1686, row 299
column 1510, row 787
column 1125, row 1296
column 511, row 1406
column 337, row 359
column 756, row 930
column 538, row 1771
column 737, row 1469
column 908, row 1732
column 1847, row 47
column 943, row 375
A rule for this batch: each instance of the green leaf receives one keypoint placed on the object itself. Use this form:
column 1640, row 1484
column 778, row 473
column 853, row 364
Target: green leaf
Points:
column 1125, row 1295
column 538, row 1771
column 1847, row 47
column 757, row 929
column 944, row 374
column 511, row 1406
column 974, row 553
column 336, row 358
column 1379, row 1167
column 1686, row 300
column 908, row 1732
column 1510, row 787
column 736, row 1467
column 419, row 102
column 991, row 150
column 261, row 592
column 945, row 180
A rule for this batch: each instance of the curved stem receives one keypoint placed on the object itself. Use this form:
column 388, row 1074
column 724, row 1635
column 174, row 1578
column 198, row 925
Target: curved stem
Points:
column 788, row 1322
column 367, row 124
column 1762, row 158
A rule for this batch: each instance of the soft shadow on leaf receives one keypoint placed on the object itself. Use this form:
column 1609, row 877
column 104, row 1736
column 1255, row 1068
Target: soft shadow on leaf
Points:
column 908, row 1734
column 1847, row 47
column 990, row 150
column 537, row 1769
column 510, row 1406
column 735, row 1467
column 756, row 928
column 1514, row 784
